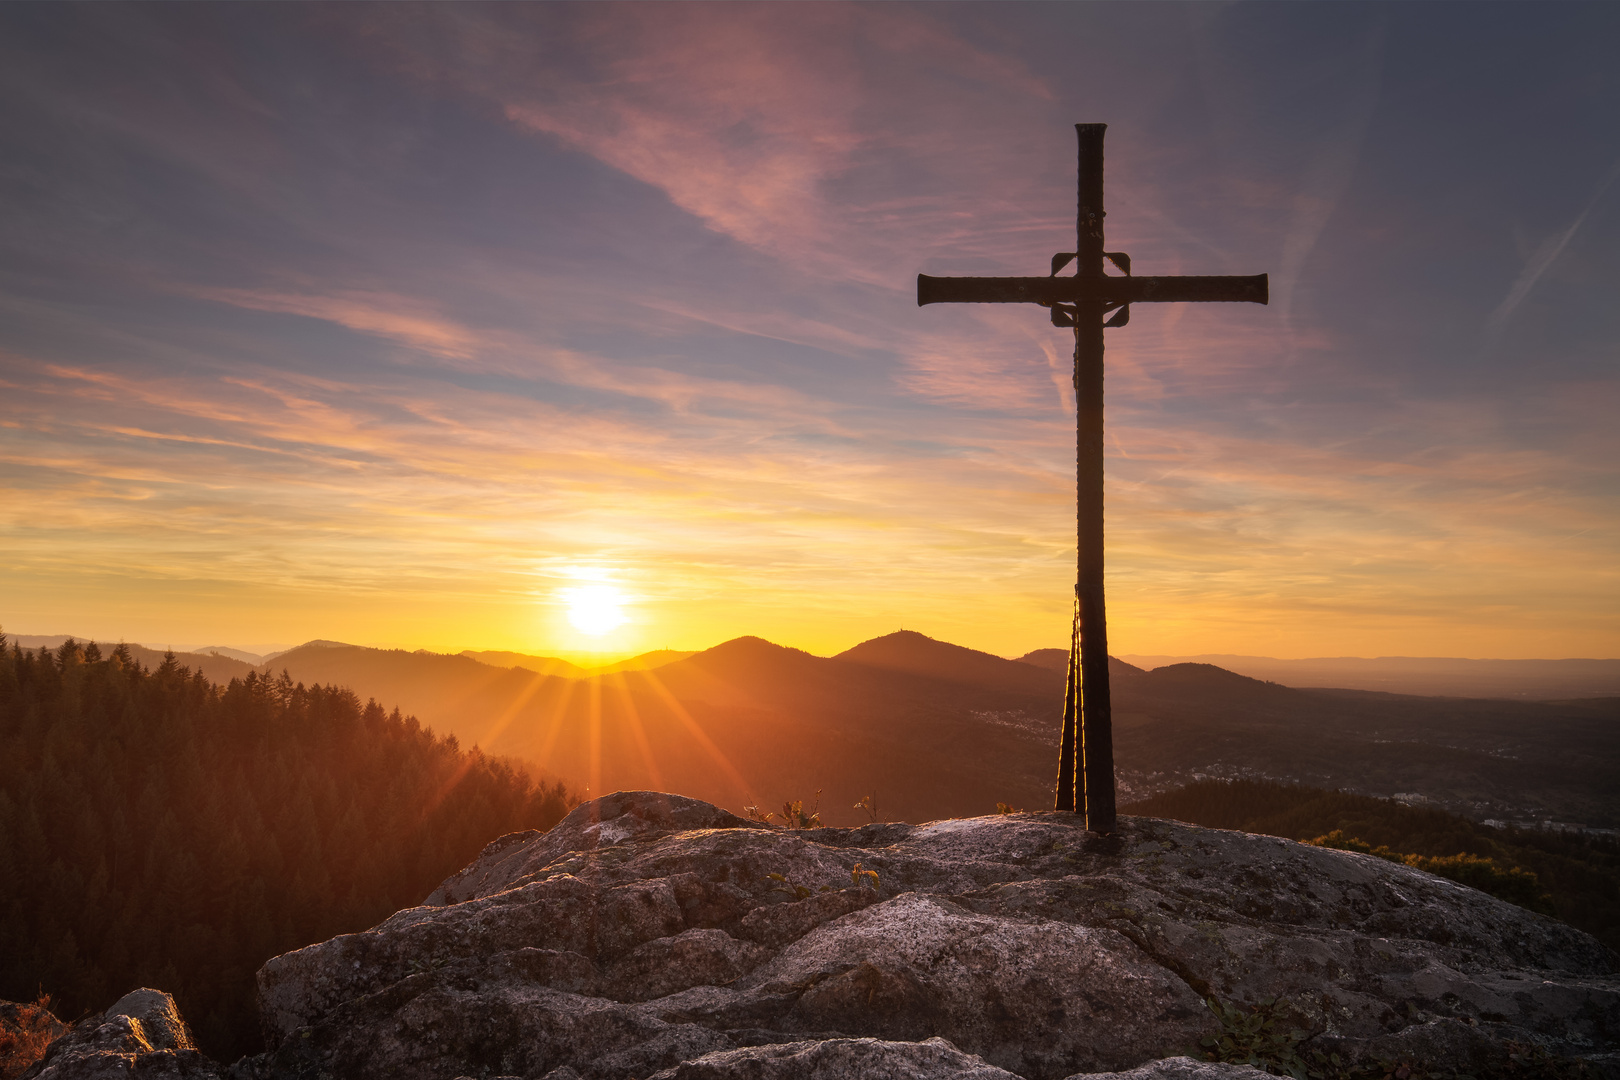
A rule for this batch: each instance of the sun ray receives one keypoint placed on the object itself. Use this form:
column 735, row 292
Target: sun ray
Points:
column 556, row 722
column 637, row 730
column 593, row 769
column 702, row 737
column 442, row 792
column 509, row 714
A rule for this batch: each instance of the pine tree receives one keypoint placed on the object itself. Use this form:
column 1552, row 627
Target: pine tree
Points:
column 158, row 829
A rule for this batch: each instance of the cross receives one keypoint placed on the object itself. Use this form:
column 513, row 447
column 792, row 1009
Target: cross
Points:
column 1086, row 757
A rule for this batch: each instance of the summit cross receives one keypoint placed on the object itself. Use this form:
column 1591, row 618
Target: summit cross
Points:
column 1086, row 758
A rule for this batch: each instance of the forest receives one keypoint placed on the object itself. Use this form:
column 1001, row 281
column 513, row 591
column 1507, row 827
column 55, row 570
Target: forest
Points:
column 159, row 829
column 1576, row 877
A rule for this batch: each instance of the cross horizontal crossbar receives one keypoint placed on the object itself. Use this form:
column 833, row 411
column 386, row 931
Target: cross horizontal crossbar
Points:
column 1111, row 290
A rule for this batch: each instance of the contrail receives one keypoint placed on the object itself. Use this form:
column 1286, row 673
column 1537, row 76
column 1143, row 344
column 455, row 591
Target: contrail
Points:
column 1544, row 257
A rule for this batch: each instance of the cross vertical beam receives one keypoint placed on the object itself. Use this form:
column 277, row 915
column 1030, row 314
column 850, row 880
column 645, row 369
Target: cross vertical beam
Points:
column 1092, row 790
column 1086, row 755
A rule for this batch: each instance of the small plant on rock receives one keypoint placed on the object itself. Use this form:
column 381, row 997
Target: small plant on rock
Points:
column 859, row 877
column 797, row 892
column 794, row 815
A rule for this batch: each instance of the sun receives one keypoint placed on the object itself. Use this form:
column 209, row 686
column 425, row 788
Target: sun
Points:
column 595, row 609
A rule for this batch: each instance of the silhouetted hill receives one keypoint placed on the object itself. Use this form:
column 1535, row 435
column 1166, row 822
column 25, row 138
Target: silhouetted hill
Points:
column 948, row 731
column 918, row 654
column 744, row 722
column 753, row 660
column 216, row 666
column 1209, row 685
column 254, row 659
column 1543, row 680
column 551, row 665
column 454, row 694
column 644, row 661
column 543, row 665
column 1058, row 660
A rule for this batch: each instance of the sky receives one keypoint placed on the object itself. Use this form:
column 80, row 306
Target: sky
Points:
column 461, row 326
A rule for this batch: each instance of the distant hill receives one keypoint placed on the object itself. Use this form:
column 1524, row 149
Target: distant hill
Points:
column 917, row 654
column 450, row 693
column 1540, row 680
column 1058, row 660
column 938, row 730
column 644, row 662
column 235, row 654
column 544, row 665
column 216, row 665
column 1206, row 684
column 744, row 722
column 551, row 665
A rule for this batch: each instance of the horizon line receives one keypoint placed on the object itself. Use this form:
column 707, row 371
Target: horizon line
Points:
column 607, row 659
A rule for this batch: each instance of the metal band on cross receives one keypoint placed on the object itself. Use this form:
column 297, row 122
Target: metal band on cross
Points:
column 1084, row 301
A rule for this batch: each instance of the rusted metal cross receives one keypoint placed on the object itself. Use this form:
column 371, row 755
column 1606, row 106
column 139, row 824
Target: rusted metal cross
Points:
column 1084, row 301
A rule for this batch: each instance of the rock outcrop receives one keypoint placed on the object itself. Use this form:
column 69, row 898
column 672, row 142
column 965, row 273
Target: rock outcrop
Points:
column 649, row 934
column 141, row 1035
column 652, row 936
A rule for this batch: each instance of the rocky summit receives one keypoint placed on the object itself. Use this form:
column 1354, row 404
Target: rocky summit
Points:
column 649, row 935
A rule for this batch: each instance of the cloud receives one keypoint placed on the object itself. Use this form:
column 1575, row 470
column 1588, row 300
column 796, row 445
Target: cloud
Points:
column 630, row 285
column 1545, row 255
column 756, row 120
column 380, row 314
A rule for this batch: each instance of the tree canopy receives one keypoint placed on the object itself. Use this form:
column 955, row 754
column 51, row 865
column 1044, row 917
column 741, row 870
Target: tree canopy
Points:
column 159, row 829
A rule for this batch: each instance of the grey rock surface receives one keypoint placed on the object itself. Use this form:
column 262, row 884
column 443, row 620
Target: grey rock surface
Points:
column 930, row 1059
column 840, row 1059
column 650, row 934
column 141, row 1035
column 1182, row 1068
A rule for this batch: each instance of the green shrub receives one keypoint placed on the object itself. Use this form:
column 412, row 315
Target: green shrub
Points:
column 1577, row 875
column 1510, row 883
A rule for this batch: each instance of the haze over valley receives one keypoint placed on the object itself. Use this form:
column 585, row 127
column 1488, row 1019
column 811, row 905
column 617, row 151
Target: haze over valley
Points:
column 936, row 730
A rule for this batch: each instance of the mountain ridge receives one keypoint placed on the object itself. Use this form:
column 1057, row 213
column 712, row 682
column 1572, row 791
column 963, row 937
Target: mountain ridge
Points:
column 749, row 722
column 1429, row 676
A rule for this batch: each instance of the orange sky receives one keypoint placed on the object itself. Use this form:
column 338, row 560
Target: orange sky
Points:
column 391, row 326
